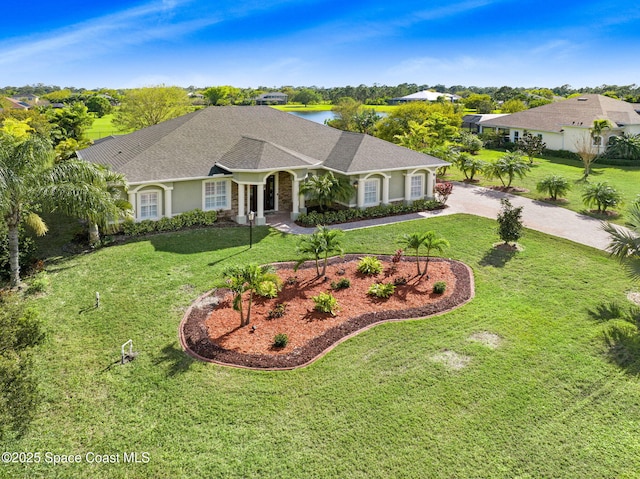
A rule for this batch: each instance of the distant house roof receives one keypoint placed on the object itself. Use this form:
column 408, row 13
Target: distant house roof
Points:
column 16, row 104
column 578, row 111
column 425, row 95
column 246, row 138
column 473, row 119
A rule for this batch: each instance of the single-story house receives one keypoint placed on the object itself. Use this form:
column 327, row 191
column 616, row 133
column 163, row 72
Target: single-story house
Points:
column 424, row 95
column 272, row 98
column 563, row 125
column 472, row 121
column 253, row 158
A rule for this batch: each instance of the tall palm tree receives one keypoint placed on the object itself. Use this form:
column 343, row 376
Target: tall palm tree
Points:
column 30, row 182
column 327, row 189
column 431, row 243
column 625, row 244
column 597, row 129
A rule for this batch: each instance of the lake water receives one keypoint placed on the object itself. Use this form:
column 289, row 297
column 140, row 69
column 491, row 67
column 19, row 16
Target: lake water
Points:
column 317, row 116
column 320, row 116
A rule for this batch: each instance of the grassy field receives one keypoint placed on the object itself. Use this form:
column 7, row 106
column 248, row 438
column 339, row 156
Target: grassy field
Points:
column 549, row 402
column 624, row 179
column 102, row 127
column 327, row 107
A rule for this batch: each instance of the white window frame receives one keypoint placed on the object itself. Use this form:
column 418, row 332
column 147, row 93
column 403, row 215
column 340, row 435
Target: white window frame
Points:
column 142, row 193
column 226, row 195
column 516, row 136
column 371, row 181
column 422, row 185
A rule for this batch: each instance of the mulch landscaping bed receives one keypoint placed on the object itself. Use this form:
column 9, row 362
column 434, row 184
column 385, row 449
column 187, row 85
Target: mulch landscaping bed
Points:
column 210, row 328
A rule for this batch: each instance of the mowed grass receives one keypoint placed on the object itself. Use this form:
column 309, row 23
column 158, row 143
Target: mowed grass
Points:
column 102, row 127
column 625, row 179
column 546, row 403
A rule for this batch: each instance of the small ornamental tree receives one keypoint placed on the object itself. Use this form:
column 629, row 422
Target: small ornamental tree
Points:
column 554, row 185
column 532, row 145
column 248, row 278
column 432, row 243
column 509, row 222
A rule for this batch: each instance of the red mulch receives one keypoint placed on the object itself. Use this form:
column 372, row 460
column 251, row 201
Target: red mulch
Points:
column 211, row 329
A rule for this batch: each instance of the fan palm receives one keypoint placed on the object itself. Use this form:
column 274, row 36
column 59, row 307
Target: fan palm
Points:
column 30, row 182
column 327, row 189
column 625, row 243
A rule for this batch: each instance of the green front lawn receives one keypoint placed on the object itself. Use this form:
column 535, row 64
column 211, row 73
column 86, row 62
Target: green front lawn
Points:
column 547, row 403
column 102, row 127
column 624, row 179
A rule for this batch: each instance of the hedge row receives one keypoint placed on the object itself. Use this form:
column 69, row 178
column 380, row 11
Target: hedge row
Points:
column 353, row 214
column 183, row 220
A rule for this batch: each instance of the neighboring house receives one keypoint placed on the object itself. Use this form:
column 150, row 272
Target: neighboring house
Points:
column 564, row 124
column 14, row 104
column 272, row 98
column 424, row 96
column 472, row 121
column 254, row 158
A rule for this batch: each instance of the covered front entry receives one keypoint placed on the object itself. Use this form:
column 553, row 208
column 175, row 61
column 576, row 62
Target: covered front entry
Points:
column 275, row 191
column 269, row 201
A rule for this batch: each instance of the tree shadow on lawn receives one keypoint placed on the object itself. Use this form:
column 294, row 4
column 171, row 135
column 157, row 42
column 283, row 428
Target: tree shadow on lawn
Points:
column 212, row 239
column 497, row 257
column 177, row 360
column 620, row 334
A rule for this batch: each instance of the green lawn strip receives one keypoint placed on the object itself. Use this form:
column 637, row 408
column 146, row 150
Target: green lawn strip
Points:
column 546, row 403
column 102, row 127
column 624, row 179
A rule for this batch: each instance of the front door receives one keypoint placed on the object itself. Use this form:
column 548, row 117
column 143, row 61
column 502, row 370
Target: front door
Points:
column 269, row 195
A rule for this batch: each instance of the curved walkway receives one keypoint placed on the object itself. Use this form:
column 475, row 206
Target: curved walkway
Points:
column 480, row 201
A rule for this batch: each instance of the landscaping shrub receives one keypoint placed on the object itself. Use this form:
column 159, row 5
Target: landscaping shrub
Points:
column 183, row 220
column 280, row 340
column 314, row 218
column 439, row 287
column 369, row 265
column 38, row 283
column 267, row 289
column 277, row 312
column 381, row 290
column 344, row 283
column 326, row 303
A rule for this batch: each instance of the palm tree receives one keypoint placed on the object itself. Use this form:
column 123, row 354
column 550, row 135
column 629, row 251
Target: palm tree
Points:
column 247, row 278
column 625, row 244
column 601, row 195
column 431, row 243
column 331, row 240
column 508, row 166
column 320, row 243
column 413, row 241
column 30, row 182
column 555, row 185
column 596, row 131
column 327, row 189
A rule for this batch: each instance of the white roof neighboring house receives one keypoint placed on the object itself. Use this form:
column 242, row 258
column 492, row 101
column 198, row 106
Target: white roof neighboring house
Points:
column 425, row 95
column 562, row 124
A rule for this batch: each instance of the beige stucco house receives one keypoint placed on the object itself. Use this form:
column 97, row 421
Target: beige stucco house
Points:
column 254, row 158
column 565, row 124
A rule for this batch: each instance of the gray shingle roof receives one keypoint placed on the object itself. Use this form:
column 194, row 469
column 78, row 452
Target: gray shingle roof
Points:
column 245, row 138
column 578, row 111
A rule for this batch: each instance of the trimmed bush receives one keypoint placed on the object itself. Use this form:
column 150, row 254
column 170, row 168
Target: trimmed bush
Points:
column 280, row 340
column 381, row 290
column 183, row 220
column 314, row 218
column 325, row 303
column 439, row 287
column 369, row 265
column 278, row 311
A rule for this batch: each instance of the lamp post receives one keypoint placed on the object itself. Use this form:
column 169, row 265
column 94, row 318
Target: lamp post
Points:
column 251, row 216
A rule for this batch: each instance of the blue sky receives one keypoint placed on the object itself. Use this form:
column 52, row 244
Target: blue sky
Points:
column 125, row 44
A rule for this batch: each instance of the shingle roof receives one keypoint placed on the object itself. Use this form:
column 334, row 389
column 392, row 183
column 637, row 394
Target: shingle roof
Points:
column 578, row 111
column 245, row 138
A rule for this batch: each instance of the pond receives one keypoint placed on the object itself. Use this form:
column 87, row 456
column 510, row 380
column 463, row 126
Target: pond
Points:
column 320, row 116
